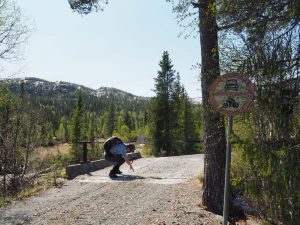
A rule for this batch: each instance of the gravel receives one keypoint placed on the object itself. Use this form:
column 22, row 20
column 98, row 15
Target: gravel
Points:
column 161, row 191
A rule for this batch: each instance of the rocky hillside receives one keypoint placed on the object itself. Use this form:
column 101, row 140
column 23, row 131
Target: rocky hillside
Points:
column 36, row 87
column 39, row 88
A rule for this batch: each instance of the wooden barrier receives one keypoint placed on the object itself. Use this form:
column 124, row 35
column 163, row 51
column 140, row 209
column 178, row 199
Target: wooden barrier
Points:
column 75, row 170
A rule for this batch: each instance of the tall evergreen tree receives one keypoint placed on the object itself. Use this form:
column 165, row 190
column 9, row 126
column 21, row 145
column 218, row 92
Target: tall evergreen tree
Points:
column 92, row 132
column 128, row 120
column 176, row 108
column 110, row 122
column 164, row 86
column 77, row 127
column 188, row 126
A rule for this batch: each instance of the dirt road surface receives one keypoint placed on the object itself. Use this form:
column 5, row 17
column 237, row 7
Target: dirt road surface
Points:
column 161, row 191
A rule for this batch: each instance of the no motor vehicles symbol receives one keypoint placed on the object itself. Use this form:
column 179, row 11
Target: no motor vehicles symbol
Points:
column 231, row 93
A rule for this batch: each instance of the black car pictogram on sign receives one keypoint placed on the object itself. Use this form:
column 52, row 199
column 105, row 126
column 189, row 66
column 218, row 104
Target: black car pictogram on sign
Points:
column 231, row 85
column 230, row 103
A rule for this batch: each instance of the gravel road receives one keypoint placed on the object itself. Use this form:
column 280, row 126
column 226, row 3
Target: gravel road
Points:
column 160, row 191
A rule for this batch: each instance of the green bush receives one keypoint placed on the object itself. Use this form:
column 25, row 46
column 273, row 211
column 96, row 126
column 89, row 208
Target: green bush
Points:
column 147, row 151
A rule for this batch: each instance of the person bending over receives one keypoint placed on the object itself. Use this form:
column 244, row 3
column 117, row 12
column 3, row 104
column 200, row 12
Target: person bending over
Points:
column 116, row 151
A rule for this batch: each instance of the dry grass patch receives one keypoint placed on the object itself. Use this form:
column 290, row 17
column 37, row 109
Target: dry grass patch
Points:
column 47, row 152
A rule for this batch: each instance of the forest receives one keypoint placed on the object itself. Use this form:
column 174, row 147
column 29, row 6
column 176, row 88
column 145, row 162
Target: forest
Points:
column 259, row 39
column 38, row 114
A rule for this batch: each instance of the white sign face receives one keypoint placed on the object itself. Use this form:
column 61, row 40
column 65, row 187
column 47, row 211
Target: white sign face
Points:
column 231, row 93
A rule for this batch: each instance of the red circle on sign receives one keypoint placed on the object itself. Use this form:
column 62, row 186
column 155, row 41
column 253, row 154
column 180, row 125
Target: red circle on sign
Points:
column 231, row 93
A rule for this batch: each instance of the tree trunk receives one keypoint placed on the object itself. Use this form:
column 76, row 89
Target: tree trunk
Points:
column 214, row 130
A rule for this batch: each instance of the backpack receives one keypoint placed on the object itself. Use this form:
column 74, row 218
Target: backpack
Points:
column 111, row 142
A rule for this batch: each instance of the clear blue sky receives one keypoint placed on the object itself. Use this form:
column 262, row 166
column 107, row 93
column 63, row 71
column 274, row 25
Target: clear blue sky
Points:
column 119, row 47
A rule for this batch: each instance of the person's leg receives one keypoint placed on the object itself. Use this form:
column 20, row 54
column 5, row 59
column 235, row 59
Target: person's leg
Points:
column 113, row 159
column 119, row 162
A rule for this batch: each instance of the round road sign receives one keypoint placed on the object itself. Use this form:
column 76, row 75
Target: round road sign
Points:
column 231, row 93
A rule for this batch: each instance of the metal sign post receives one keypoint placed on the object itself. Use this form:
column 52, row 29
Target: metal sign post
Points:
column 230, row 94
column 84, row 150
column 227, row 171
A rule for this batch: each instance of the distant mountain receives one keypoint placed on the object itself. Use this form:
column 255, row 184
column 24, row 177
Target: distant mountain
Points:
column 58, row 98
column 36, row 87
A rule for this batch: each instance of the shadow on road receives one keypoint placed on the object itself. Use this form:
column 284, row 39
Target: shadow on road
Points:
column 128, row 177
column 124, row 177
column 95, row 178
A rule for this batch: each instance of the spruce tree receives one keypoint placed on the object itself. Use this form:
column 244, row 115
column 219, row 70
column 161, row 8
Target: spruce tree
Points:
column 77, row 128
column 92, row 132
column 176, row 108
column 188, row 126
column 110, row 122
column 164, row 86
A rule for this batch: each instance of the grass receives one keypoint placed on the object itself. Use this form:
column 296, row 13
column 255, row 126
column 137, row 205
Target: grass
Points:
column 146, row 151
column 4, row 201
column 265, row 223
column 47, row 152
column 42, row 183
column 200, row 179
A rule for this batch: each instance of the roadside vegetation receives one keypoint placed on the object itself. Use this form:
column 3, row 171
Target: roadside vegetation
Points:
column 47, row 170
